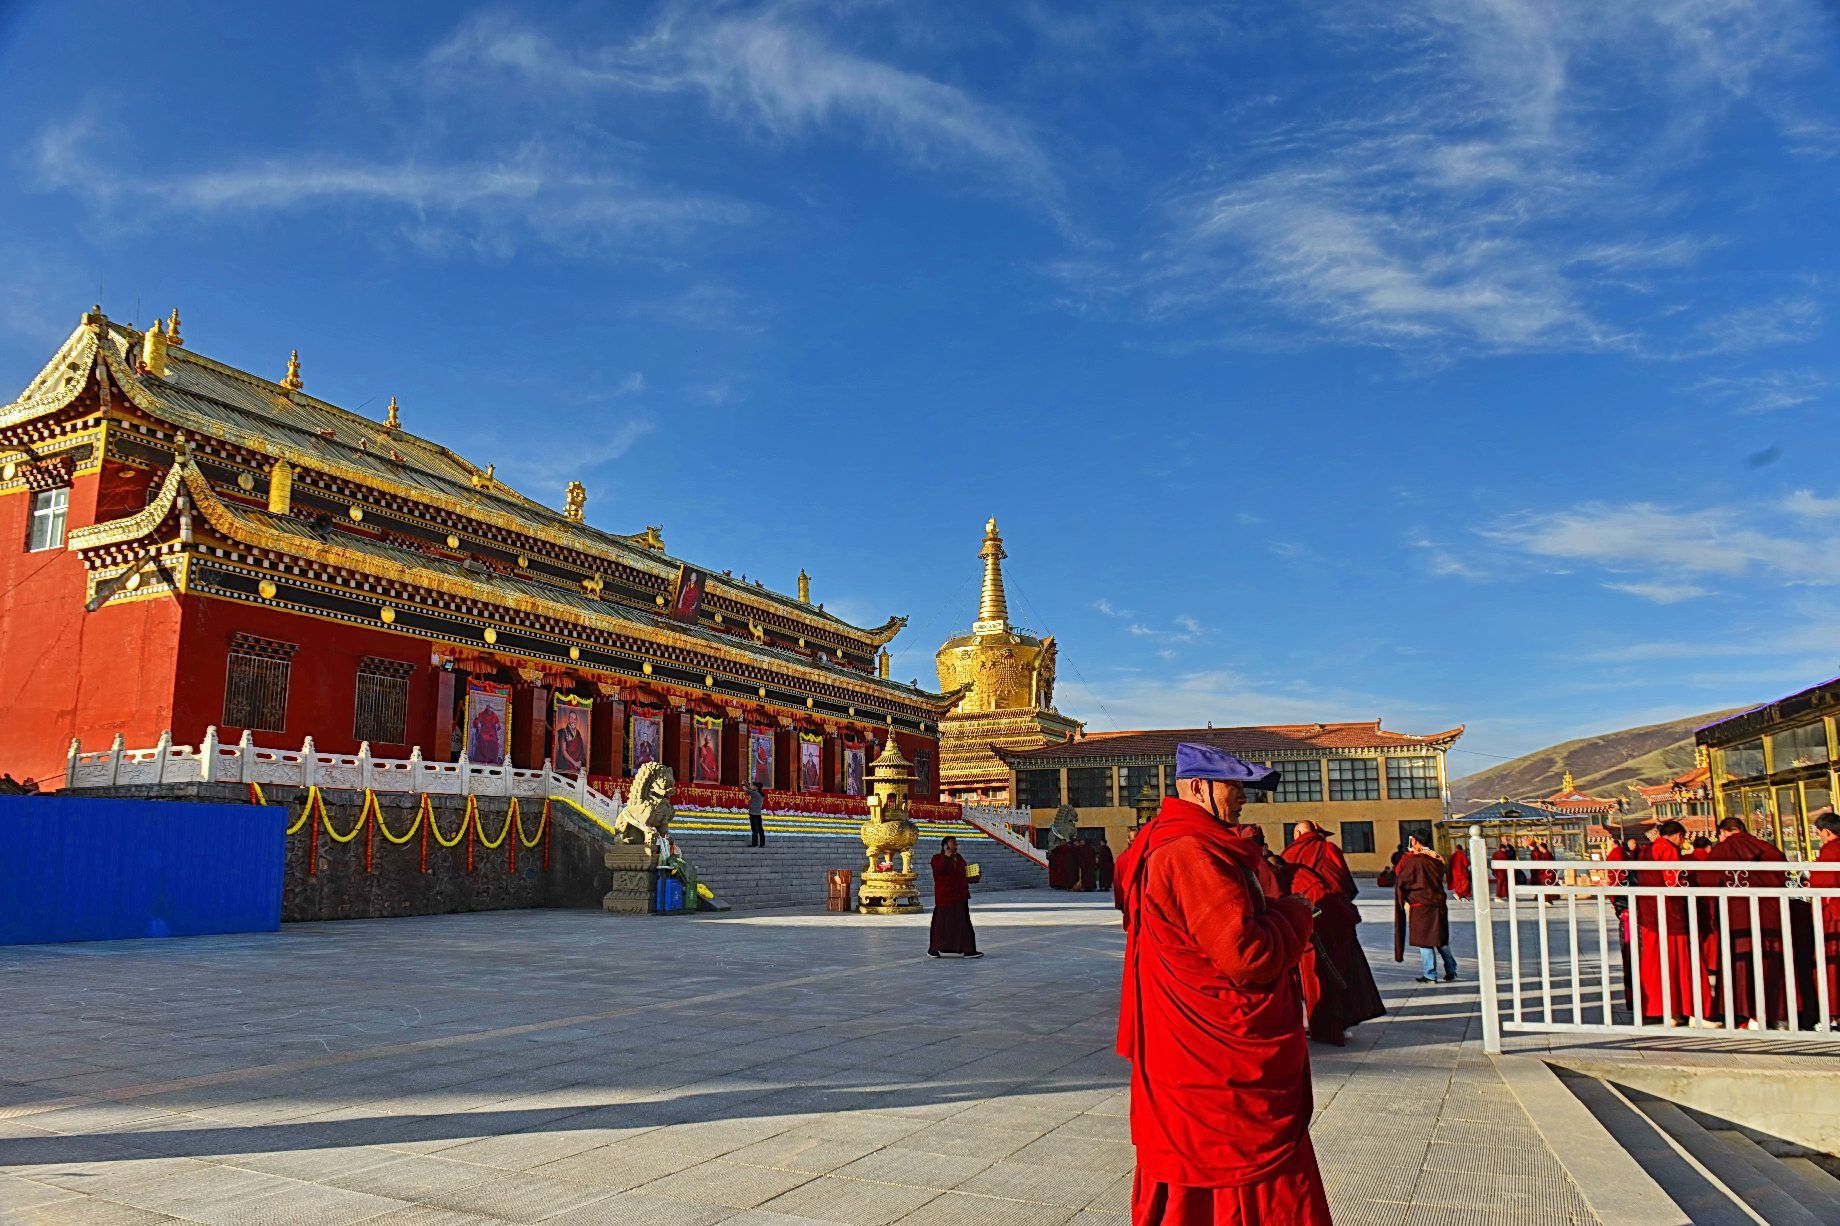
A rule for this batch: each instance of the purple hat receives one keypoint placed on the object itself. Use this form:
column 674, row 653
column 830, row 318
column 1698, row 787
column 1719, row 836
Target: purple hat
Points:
column 1205, row 762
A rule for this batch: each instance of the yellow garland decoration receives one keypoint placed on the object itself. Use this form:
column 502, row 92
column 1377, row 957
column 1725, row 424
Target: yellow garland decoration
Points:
column 313, row 797
column 472, row 811
column 299, row 822
column 542, row 825
column 511, row 815
column 370, row 800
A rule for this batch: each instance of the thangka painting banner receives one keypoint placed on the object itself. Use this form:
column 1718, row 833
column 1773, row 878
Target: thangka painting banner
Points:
column 687, row 596
column 760, row 755
column 708, row 749
column 488, row 722
column 852, row 769
column 571, row 723
column 646, row 737
column 811, row 762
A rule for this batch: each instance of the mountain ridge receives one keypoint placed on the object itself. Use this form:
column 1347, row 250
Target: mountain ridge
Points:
column 1603, row 765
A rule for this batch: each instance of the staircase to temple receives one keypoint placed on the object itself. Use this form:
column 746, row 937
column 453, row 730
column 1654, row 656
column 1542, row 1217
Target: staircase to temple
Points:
column 790, row 870
column 1716, row 1171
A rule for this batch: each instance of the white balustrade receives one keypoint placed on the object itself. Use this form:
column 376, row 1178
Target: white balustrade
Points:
column 1565, row 941
column 1001, row 825
column 246, row 762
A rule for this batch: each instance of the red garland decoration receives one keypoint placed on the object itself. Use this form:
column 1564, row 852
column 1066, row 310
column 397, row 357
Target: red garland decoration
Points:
column 547, row 834
column 312, row 836
column 513, row 832
column 370, row 828
column 472, row 811
column 427, row 819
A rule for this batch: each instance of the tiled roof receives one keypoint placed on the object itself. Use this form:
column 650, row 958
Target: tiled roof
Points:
column 1525, row 811
column 1256, row 741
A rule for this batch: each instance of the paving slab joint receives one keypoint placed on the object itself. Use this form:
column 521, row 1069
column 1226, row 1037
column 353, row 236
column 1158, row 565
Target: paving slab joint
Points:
column 1612, row 1183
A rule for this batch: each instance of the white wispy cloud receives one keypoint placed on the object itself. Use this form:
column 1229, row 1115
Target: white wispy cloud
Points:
column 532, row 192
column 1491, row 191
column 1662, row 593
column 1809, row 505
column 775, row 70
column 1187, row 630
column 1765, row 391
column 1760, row 325
column 1106, row 607
column 1227, row 698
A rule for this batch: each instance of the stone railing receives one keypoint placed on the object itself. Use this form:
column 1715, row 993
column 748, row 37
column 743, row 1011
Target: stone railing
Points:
column 1006, row 827
column 213, row 761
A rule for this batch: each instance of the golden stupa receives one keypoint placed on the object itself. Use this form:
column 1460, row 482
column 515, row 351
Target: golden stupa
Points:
column 1008, row 678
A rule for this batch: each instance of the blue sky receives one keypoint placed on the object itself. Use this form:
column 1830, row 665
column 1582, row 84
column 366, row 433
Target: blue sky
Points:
column 1461, row 362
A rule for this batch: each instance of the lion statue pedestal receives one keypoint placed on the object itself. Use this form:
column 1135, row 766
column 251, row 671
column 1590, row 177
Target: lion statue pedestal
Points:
column 643, row 834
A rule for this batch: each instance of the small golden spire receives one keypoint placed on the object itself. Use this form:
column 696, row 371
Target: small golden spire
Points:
column 804, row 587
column 394, row 420
column 993, row 605
column 172, row 330
column 574, row 498
column 291, row 381
column 1566, row 785
column 882, row 662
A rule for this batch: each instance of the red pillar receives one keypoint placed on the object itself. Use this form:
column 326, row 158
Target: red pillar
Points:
column 785, row 758
column 529, row 726
column 833, row 762
column 607, row 738
column 734, row 752
column 441, row 738
column 680, row 743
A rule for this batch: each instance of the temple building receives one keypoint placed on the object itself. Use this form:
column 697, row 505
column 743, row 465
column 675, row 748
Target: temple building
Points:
column 1006, row 676
column 1686, row 798
column 1774, row 766
column 197, row 546
column 1574, row 803
column 1369, row 786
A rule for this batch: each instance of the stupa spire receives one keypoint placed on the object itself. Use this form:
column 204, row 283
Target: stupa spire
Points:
column 993, row 605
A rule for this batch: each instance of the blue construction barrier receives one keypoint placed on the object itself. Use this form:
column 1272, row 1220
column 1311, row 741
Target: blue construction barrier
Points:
column 84, row 869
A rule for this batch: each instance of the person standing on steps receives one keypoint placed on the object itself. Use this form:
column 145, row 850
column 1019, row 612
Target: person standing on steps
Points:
column 951, row 932
column 1419, row 901
column 1211, row 1016
column 757, row 827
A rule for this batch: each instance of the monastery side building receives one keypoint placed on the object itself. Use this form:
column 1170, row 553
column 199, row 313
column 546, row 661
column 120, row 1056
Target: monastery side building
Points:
column 192, row 545
column 1007, row 678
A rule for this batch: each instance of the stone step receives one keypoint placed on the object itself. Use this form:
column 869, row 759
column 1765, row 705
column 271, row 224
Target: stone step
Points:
column 1752, row 1177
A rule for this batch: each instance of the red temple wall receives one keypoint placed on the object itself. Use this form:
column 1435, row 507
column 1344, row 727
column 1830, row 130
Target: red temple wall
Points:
column 322, row 682
column 65, row 673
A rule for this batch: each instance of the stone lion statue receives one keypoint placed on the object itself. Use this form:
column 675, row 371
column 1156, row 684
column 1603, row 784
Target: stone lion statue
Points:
column 646, row 818
column 1066, row 826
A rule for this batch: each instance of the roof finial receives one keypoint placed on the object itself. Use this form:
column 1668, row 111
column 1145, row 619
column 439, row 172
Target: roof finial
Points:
column 993, row 606
column 574, row 498
column 291, row 381
column 804, row 587
column 172, row 330
column 153, row 352
column 394, row 420
column 1566, row 785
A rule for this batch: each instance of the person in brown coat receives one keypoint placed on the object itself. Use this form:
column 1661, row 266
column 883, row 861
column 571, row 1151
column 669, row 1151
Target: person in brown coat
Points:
column 1421, row 912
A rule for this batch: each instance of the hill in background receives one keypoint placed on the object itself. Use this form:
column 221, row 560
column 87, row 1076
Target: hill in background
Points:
column 1601, row 765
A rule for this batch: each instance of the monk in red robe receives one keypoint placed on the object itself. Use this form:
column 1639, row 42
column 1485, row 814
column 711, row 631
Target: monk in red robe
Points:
column 1675, row 1006
column 1211, row 1014
column 1107, row 866
column 951, row 931
column 1827, row 830
column 1338, row 986
column 1627, row 851
column 1736, row 842
column 1063, row 867
column 1089, row 866
column 1460, row 883
column 1504, row 852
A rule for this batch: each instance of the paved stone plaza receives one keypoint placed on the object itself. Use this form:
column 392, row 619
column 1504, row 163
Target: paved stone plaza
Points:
column 570, row 1067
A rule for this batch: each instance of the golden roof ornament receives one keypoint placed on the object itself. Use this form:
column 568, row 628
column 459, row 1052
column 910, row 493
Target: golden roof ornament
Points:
column 153, row 351
column 574, row 498
column 485, row 480
column 393, row 416
column 1566, row 785
column 172, row 330
column 290, row 382
column 804, row 587
column 882, row 661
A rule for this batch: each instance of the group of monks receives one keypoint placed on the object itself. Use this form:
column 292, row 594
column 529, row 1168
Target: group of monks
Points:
column 1672, row 993
column 1079, row 865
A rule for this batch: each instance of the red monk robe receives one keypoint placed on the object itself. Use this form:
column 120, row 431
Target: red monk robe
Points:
column 1211, row 1019
column 1089, row 867
column 1063, row 867
column 1677, row 1003
column 1460, row 883
column 1338, row 986
column 1743, row 845
column 1506, row 852
column 1826, row 879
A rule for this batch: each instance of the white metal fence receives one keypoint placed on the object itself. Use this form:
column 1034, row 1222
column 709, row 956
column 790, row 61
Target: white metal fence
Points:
column 1566, row 942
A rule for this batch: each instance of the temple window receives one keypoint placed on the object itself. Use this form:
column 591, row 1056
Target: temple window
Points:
column 1357, row 837
column 381, row 713
column 1354, row 779
column 1089, row 787
column 256, row 683
column 49, row 510
column 1420, row 828
column 1804, row 746
column 1132, row 780
column 1299, row 780
column 1412, row 779
column 1039, row 789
